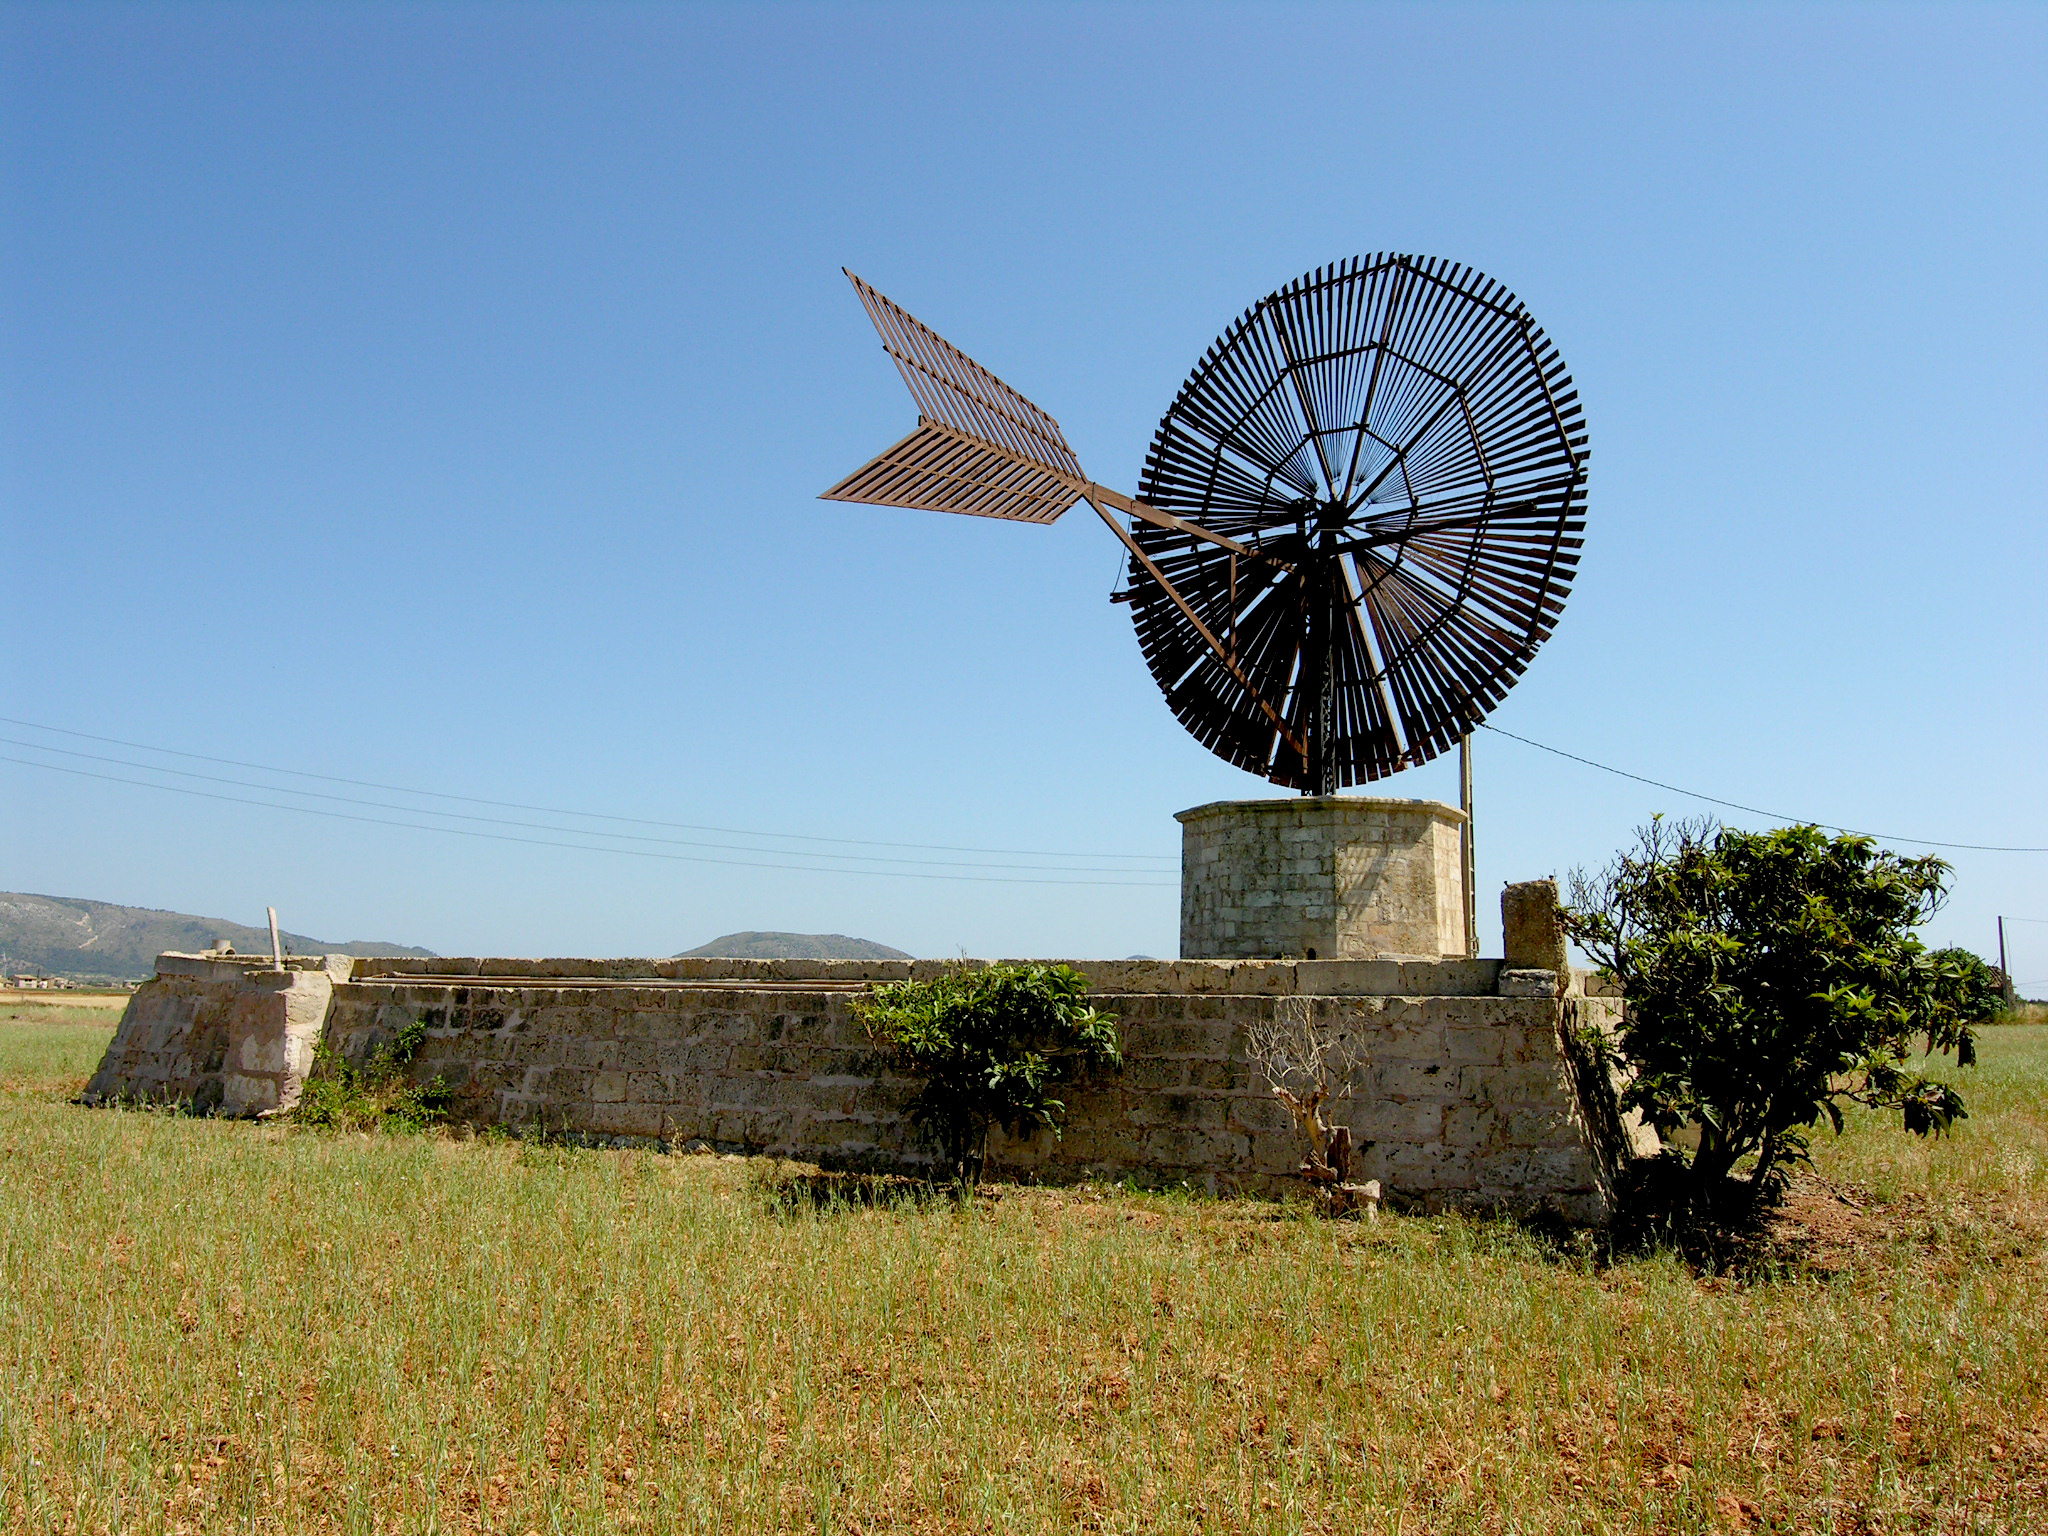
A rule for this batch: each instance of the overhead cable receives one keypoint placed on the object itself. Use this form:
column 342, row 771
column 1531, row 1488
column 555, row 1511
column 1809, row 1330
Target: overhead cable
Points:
column 1693, row 794
column 638, row 853
column 555, row 810
column 502, row 821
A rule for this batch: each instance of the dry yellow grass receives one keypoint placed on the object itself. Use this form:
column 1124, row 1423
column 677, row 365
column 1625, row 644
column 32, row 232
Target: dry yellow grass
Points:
column 213, row 1326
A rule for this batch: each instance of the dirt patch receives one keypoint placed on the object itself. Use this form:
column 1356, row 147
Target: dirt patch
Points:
column 1827, row 1228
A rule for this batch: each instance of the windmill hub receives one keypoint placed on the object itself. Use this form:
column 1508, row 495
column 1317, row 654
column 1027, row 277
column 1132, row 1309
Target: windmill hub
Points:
column 1315, row 637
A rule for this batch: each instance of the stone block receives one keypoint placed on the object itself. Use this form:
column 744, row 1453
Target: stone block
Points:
column 1278, row 1154
column 1449, row 977
column 1472, row 1125
column 1190, row 1109
column 1349, row 977
column 1148, row 1073
column 1534, row 1082
column 1529, row 1175
column 1434, row 1079
column 1224, row 1076
column 1259, row 1114
column 1514, row 983
column 564, row 1085
column 826, row 1096
column 1182, row 1039
column 753, row 1056
column 1532, row 927
column 1180, row 1150
column 1463, row 1046
column 1540, row 1126
column 1266, row 978
column 624, row 1119
column 695, row 1054
column 1398, row 1120
column 1414, row 1169
column 648, row 1088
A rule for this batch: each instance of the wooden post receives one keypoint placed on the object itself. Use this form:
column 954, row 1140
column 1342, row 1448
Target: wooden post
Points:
column 2004, row 970
column 276, row 949
column 1465, row 847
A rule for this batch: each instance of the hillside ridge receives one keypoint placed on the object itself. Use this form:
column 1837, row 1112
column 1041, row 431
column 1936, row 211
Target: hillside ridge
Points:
column 769, row 944
column 103, row 941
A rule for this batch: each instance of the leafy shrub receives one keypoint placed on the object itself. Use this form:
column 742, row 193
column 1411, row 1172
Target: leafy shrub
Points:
column 1981, row 985
column 989, row 1045
column 378, row 1095
column 1771, row 977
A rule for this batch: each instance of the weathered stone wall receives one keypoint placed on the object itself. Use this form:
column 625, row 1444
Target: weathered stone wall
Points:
column 229, row 1035
column 1321, row 876
column 1468, row 1097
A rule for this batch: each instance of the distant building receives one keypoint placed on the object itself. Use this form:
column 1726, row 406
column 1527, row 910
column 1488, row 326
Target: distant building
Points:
column 26, row 983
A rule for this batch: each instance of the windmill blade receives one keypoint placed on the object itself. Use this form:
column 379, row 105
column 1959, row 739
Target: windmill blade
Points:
column 980, row 447
column 1402, row 442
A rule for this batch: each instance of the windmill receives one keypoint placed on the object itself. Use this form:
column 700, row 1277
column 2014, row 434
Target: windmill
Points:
column 1357, row 522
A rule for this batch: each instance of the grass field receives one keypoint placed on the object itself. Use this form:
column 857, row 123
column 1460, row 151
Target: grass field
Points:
column 214, row 1327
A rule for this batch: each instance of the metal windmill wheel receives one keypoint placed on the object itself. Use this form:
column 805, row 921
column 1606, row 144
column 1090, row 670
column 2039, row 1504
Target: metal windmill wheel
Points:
column 1358, row 520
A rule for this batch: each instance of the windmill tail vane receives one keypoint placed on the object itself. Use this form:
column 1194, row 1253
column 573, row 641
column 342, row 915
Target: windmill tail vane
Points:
column 1358, row 520
column 980, row 447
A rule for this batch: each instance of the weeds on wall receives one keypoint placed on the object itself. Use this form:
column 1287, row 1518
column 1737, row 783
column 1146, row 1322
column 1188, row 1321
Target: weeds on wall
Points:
column 380, row 1095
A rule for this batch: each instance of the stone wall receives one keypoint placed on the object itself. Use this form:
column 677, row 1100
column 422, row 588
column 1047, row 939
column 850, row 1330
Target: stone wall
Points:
column 1329, row 876
column 1468, row 1097
column 230, row 1035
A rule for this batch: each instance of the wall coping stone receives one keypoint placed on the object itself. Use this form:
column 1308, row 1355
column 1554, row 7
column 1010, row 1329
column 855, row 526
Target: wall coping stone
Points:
column 1386, row 977
column 213, row 966
column 1322, row 806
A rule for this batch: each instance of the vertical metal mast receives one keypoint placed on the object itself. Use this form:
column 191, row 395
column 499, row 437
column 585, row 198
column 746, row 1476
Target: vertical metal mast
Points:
column 1471, row 880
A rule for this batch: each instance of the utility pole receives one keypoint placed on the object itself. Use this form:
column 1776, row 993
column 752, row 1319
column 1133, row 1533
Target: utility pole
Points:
column 2004, row 970
column 1465, row 848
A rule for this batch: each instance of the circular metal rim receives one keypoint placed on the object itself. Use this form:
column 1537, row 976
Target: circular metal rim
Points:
column 1405, row 451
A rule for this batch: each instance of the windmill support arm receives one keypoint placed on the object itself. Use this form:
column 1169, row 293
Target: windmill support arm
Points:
column 1224, row 656
column 1101, row 495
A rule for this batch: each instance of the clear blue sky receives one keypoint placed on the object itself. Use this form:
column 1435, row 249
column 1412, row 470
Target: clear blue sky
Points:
column 437, row 395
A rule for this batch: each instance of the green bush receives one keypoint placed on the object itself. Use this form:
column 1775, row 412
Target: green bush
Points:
column 379, row 1095
column 1981, row 985
column 989, row 1046
column 1772, row 977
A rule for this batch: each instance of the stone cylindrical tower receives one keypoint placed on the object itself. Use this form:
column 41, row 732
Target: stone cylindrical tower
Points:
column 1327, row 877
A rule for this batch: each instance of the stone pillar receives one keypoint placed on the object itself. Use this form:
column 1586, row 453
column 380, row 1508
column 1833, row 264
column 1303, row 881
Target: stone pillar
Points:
column 1529, row 925
column 228, row 1035
column 1326, row 877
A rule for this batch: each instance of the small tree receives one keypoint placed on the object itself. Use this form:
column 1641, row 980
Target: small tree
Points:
column 1770, row 978
column 1312, row 1066
column 990, row 1045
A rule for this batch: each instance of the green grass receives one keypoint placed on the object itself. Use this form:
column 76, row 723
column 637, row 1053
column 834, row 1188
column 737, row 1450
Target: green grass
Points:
column 217, row 1326
column 48, row 1050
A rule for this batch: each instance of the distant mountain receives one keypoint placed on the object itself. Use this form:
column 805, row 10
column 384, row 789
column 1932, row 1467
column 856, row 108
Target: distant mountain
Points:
column 99, row 941
column 793, row 946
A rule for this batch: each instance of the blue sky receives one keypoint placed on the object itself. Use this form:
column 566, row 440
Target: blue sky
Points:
column 436, row 396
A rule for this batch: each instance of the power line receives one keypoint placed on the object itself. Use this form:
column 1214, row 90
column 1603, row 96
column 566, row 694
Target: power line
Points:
column 502, row 821
column 555, row 810
column 637, row 853
column 1693, row 794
